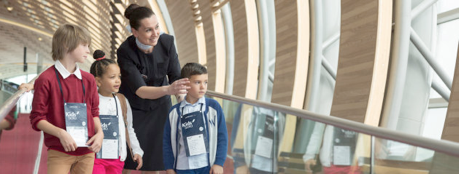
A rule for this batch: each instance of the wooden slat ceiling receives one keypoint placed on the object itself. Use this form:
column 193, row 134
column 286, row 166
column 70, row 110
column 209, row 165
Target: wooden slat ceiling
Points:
column 363, row 59
column 206, row 13
column 240, row 48
column 286, row 52
column 20, row 19
column 185, row 35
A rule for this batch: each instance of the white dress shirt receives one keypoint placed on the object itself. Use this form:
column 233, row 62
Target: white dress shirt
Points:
column 64, row 72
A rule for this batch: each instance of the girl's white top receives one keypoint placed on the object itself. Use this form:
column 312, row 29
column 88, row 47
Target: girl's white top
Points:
column 107, row 107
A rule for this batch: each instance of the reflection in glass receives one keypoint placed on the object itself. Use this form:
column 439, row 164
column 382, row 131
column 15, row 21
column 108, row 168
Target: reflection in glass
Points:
column 257, row 139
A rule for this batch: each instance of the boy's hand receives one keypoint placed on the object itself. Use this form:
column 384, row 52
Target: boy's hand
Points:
column 26, row 86
column 216, row 169
column 170, row 171
column 67, row 141
column 138, row 159
column 96, row 142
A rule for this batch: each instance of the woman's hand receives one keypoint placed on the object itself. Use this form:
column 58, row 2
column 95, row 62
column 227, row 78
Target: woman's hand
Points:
column 179, row 87
column 67, row 141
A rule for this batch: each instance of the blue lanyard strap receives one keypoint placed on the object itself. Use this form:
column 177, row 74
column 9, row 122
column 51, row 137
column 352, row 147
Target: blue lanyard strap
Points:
column 60, row 87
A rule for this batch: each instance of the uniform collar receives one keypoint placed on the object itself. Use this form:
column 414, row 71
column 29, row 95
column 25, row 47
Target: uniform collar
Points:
column 64, row 73
column 201, row 100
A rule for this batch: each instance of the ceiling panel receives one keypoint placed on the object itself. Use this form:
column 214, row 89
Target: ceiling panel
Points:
column 31, row 23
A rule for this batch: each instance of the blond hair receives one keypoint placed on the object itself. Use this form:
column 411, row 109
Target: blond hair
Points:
column 67, row 38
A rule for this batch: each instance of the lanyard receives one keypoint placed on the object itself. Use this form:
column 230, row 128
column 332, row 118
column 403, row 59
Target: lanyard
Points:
column 191, row 112
column 116, row 104
column 60, row 87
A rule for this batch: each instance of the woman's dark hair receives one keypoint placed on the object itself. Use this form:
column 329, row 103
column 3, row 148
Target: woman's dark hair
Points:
column 136, row 13
column 129, row 9
column 192, row 69
column 100, row 65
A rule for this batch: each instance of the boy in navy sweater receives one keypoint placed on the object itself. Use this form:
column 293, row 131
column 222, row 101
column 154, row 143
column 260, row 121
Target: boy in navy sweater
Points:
column 195, row 136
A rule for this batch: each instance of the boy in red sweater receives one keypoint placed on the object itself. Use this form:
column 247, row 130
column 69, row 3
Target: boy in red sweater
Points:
column 65, row 105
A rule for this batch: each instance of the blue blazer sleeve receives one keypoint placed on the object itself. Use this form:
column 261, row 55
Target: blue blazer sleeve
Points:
column 222, row 144
column 168, row 155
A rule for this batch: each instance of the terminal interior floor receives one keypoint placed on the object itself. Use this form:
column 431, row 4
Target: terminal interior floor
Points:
column 21, row 147
column 19, row 150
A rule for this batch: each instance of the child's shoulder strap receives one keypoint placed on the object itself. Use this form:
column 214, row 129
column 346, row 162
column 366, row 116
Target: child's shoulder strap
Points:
column 123, row 105
column 124, row 110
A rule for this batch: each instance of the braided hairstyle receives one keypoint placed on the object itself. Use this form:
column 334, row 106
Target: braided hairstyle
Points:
column 100, row 65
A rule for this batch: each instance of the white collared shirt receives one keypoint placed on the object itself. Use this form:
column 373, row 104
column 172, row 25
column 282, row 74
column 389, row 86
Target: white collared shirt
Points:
column 107, row 107
column 64, row 72
column 196, row 161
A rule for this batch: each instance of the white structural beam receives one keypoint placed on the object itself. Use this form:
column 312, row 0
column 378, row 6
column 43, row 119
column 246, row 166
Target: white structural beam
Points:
column 448, row 16
column 330, row 41
column 328, row 67
column 421, row 7
column 444, row 93
column 419, row 44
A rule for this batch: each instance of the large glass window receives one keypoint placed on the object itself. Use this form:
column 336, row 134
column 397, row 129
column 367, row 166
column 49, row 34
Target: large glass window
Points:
column 430, row 67
column 445, row 55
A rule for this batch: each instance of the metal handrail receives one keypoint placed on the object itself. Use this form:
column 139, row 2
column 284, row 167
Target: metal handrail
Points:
column 7, row 87
column 444, row 146
column 12, row 101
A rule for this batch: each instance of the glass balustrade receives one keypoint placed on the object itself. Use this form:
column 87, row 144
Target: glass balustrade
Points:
column 260, row 140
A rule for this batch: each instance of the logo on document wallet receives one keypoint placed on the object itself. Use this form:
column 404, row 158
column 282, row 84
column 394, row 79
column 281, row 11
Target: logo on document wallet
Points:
column 72, row 115
column 348, row 134
column 105, row 125
column 270, row 126
column 188, row 124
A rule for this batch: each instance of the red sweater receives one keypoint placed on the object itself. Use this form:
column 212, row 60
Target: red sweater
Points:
column 48, row 104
